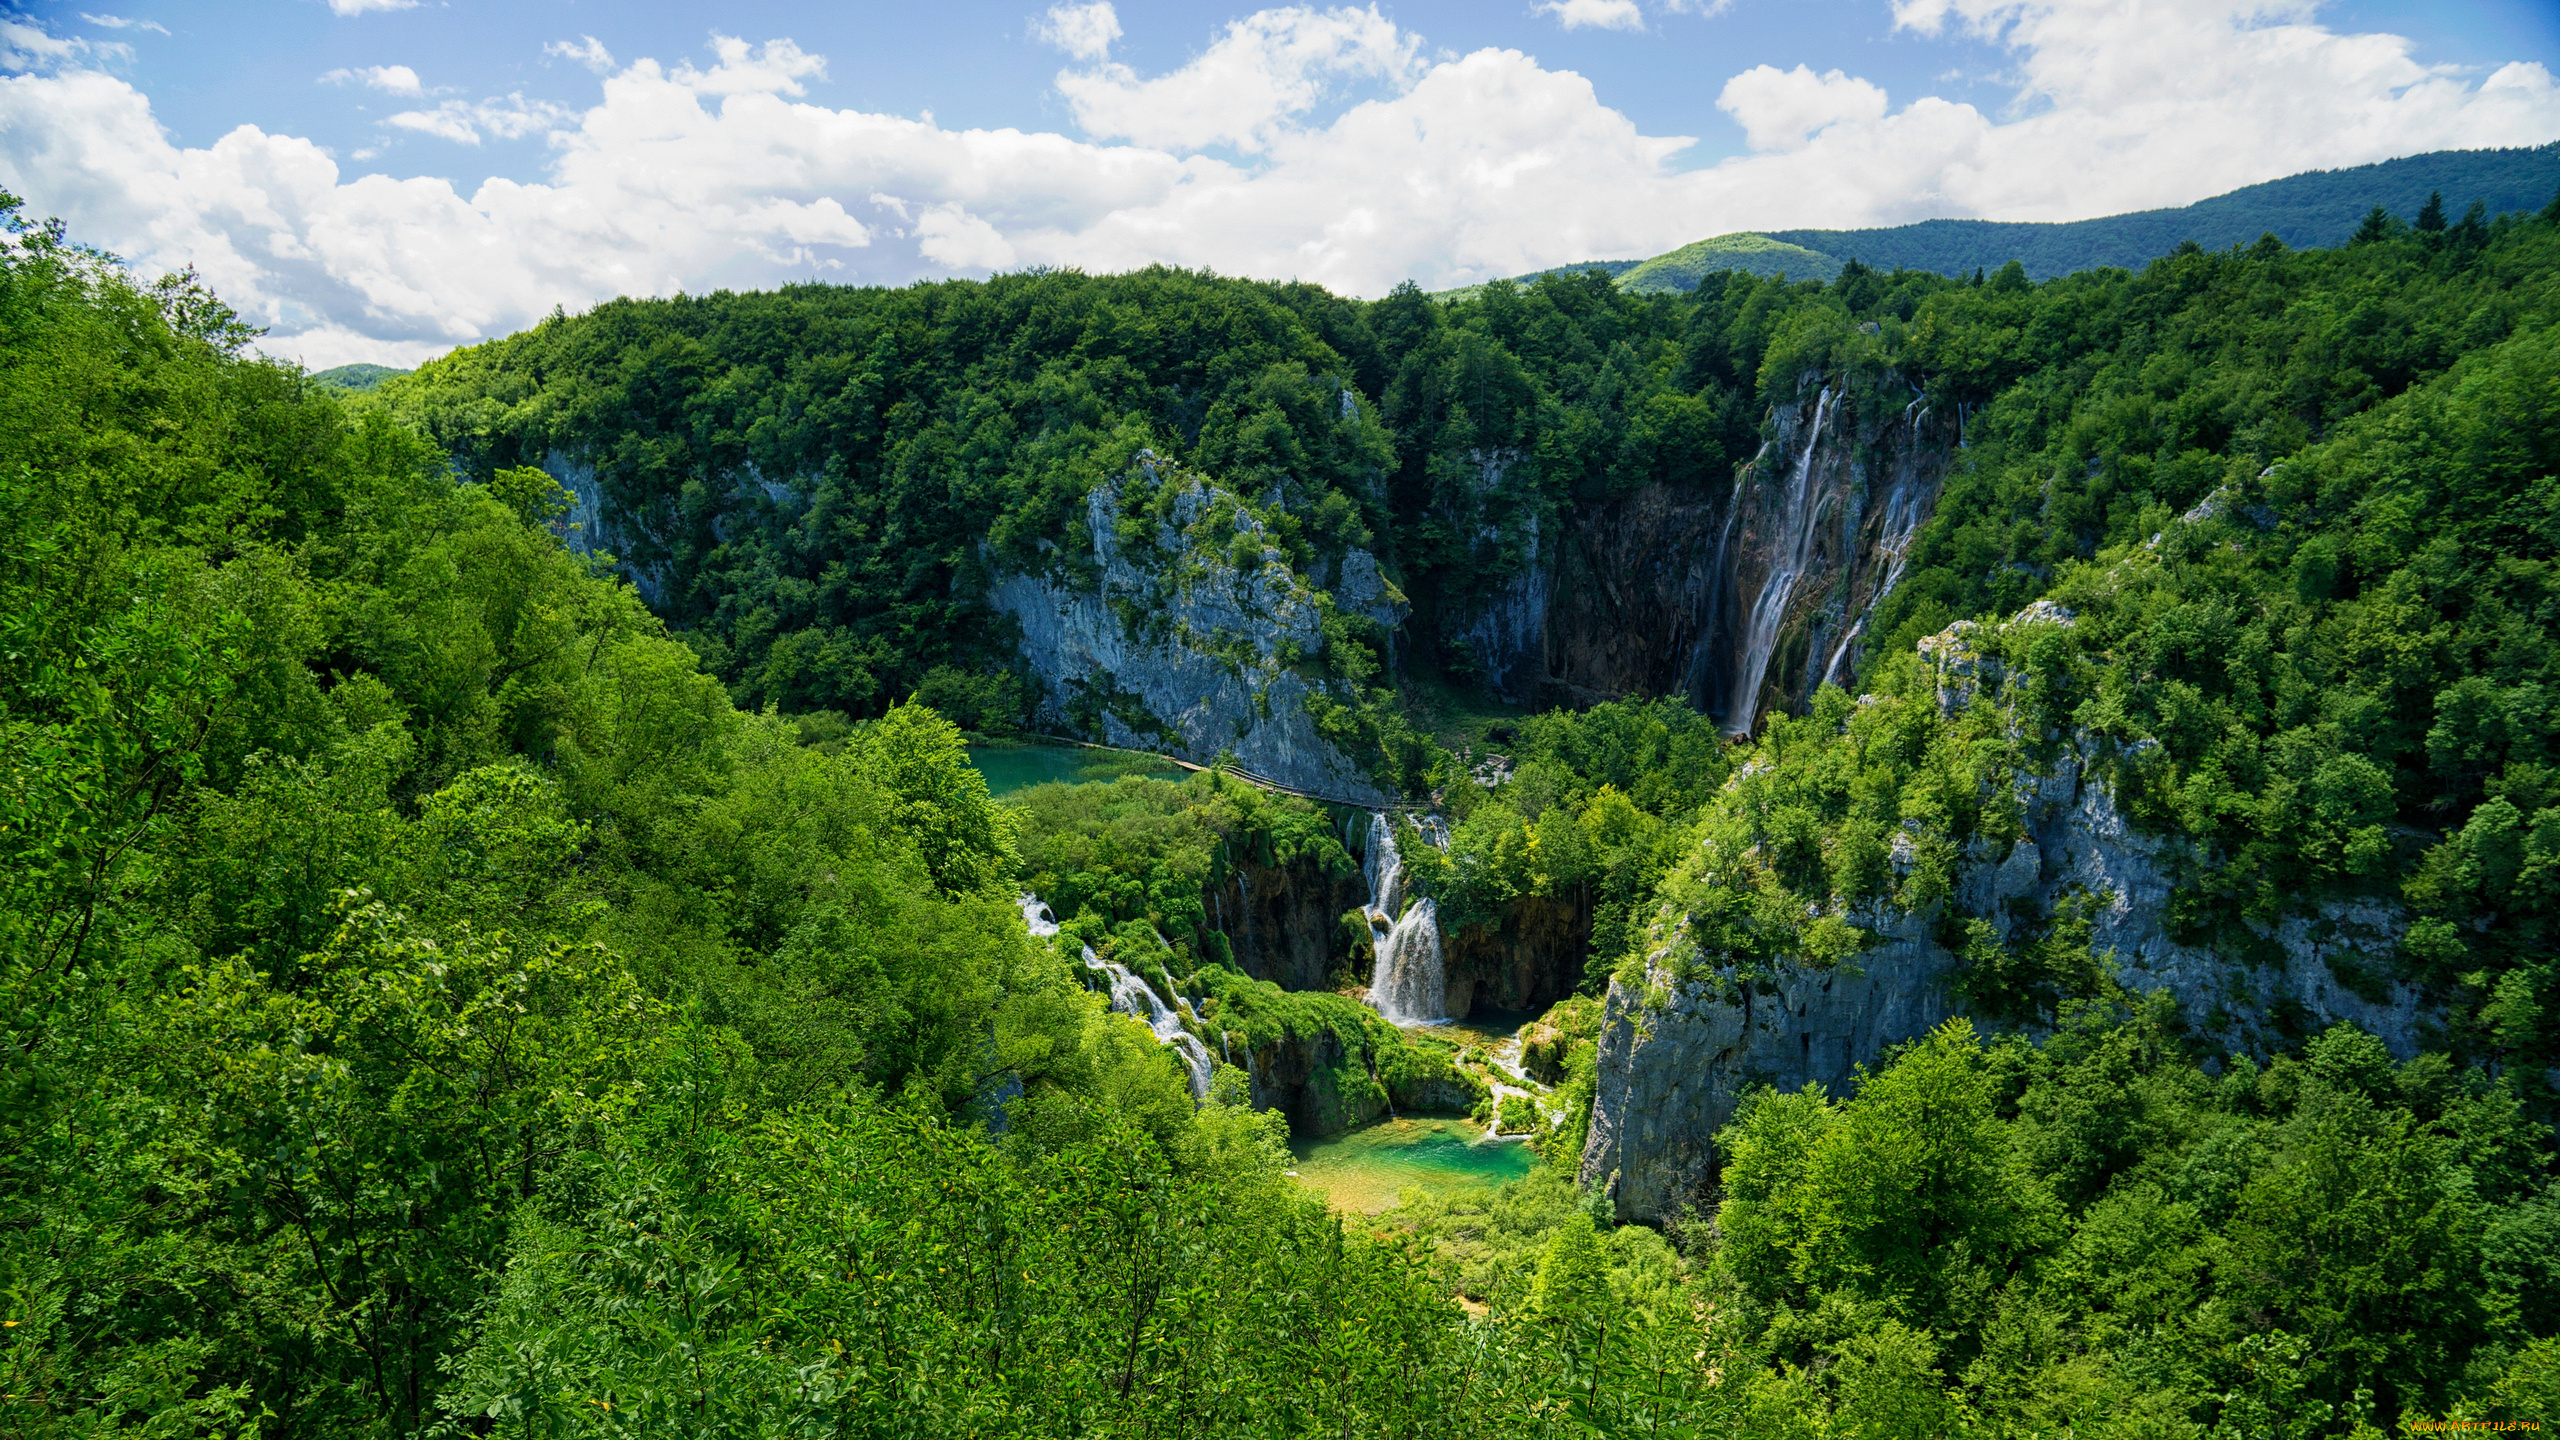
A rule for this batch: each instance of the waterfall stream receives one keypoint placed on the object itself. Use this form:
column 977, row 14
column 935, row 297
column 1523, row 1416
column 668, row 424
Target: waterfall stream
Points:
column 1132, row 995
column 1769, row 611
column 1409, row 986
column 1904, row 508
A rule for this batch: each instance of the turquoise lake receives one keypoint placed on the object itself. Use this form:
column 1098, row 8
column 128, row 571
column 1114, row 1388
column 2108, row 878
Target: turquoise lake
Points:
column 1019, row 767
column 1362, row 1171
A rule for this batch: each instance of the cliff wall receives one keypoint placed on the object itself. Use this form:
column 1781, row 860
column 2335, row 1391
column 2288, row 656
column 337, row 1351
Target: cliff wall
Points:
column 1284, row 923
column 1742, row 594
column 1677, row 1055
column 1189, row 645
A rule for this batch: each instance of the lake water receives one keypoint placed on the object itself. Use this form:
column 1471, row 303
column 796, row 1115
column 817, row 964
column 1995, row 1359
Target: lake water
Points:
column 1361, row 1172
column 1019, row 767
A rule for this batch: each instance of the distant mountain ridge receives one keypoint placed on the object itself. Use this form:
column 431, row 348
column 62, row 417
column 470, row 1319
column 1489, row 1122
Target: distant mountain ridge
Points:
column 2317, row 208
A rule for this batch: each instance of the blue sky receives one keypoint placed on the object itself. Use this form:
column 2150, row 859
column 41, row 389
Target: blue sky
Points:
column 380, row 181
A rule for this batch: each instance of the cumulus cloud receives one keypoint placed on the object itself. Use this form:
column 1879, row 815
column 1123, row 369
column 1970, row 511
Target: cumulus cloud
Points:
column 359, row 7
column 1783, row 109
column 1596, row 14
column 389, row 79
column 776, row 67
column 1259, row 74
column 1083, row 31
column 119, row 22
column 466, row 121
column 586, row 50
column 1320, row 144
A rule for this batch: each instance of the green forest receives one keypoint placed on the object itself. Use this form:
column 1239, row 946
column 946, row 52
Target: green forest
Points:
column 460, row 982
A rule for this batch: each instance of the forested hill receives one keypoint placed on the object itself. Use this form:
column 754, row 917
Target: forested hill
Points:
column 2315, row 208
column 2318, row 207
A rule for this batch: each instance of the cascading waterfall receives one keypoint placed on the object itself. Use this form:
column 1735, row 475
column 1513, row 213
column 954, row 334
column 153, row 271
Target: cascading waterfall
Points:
column 1131, row 995
column 1902, row 516
column 1409, row 986
column 1769, row 611
column 1702, row 659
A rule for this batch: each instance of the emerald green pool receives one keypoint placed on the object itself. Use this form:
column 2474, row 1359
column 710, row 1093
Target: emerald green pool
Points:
column 1361, row 1172
column 1019, row 767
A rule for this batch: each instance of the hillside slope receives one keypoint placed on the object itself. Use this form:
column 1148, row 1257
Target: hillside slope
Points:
column 2316, row 208
column 2320, row 207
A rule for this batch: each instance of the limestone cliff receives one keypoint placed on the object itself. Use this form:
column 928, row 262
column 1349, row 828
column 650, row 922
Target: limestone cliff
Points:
column 1742, row 594
column 1676, row 1055
column 1527, row 958
column 1284, row 923
column 1170, row 638
column 1820, row 523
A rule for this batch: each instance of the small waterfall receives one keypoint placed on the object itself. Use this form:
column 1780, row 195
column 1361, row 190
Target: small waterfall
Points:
column 1769, row 611
column 1409, row 986
column 1131, row 995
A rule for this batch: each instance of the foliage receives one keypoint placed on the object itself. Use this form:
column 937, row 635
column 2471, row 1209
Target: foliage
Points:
column 430, row 1004
column 2100, row 1235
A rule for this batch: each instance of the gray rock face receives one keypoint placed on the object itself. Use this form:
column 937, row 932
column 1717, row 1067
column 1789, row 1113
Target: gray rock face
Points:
column 1190, row 648
column 593, row 526
column 1744, row 593
column 1676, row 1057
column 1509, row 635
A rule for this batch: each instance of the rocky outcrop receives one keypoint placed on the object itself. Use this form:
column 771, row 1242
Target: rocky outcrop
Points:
column 1528, row 959
column 1191, row 643
column 1284, row 923
column 1742, row 594
column 1822, row 522
column 1328, row 1080
column 1677, row 1055
column 595, row 525
column 1321, row 1084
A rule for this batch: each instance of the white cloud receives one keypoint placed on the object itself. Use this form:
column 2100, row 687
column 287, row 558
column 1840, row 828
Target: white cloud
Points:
column 1083, row 31
column 119, row 22
column 953, row 237
column 465, row 121
column 586, row 50
column 389, row 79
column 1595, row 14
column 359, row 7
column 1783, row 109
column 28, row 47
column 1252, row 158
column 1260, row 73
column 773, row 68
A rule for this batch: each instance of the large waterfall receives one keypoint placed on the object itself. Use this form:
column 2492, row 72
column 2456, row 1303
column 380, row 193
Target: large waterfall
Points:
column 1793, row 552
column 1907, row 503
column 1132, row 995
column 1408, row 986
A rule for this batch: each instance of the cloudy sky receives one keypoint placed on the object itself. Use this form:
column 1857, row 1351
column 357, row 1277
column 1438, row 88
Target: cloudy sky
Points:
column 384, row 179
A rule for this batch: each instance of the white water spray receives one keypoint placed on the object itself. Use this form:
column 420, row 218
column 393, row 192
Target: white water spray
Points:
column 1409, row 985
column 1904, row 508
column 1131, row 995
column 1769, row 611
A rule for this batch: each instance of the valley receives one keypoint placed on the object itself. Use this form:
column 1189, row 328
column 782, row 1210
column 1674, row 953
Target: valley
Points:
column 1890, row 853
